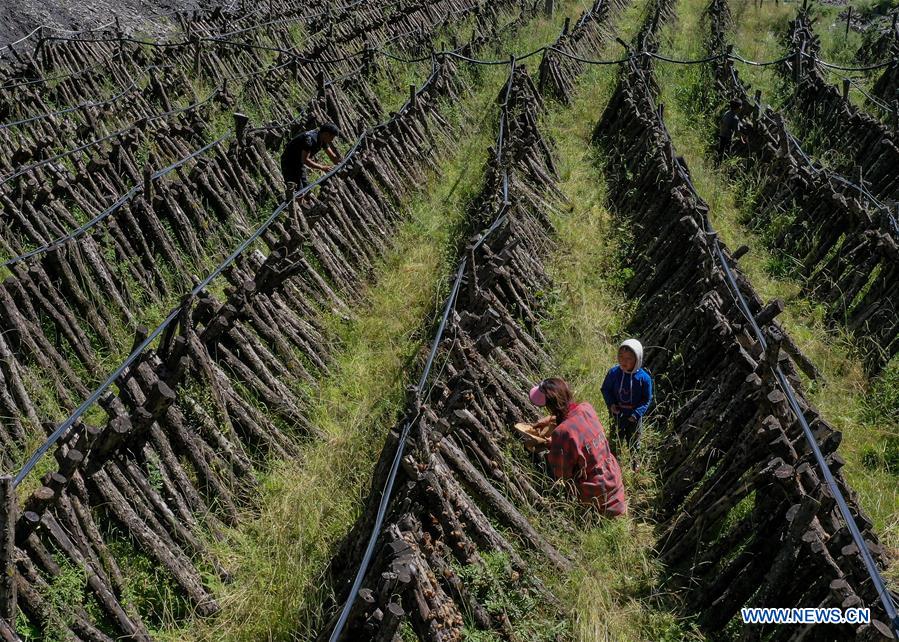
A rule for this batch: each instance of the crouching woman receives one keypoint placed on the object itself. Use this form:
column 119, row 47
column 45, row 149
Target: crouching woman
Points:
column 579, row 450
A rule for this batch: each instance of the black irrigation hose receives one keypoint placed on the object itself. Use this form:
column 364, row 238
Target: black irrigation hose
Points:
column 71, row 74
column 10, row 45
column 591, row 62
column 829, row 65
column 753, row 63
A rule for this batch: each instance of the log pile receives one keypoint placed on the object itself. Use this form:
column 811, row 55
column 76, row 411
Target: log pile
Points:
column 560, row 66
column 822, row 111
column 745, row 519
column 846, row 247
column 224, row 390
column 456, row 471
column 877, row 42
column 887, row 85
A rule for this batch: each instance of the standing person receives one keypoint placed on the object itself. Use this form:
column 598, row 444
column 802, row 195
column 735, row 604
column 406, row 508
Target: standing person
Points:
column 627, row 390
column 578, row 448
column 300, row 151
column 731, row 123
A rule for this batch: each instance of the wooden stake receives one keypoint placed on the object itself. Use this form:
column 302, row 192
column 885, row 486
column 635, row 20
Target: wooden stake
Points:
column 7, row 550
column 848, row 18
column 549, row 8
column 567, row 26
column 148, row 184
column 240, row 125
column 196, row 56
column 845, row 89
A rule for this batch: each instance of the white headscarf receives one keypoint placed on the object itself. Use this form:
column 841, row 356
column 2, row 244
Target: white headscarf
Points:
column 637, row 348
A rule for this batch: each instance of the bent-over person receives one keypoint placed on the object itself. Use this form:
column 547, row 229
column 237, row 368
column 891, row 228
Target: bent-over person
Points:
column 299, row 154
column 579, row 450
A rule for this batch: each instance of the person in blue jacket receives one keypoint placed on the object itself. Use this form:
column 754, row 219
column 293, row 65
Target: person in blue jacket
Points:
column 627, row 390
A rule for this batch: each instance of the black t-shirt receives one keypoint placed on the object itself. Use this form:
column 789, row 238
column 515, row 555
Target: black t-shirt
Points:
column 307, row 141
column 731, row 123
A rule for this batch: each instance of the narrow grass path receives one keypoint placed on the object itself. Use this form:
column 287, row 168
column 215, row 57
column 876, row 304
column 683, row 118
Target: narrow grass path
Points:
column 279, row 555
column 846, row 398
column 614, row 592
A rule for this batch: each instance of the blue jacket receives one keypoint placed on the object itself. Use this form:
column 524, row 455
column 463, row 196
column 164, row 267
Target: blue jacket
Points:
column 632, row 392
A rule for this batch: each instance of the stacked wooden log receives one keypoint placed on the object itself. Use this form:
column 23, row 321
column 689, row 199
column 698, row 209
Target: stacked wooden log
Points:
column 560, row 66
column 845, row 246
column 455, row 471
column 745, row 519
column 877, row 41
column 869, row 147
column 887, row 85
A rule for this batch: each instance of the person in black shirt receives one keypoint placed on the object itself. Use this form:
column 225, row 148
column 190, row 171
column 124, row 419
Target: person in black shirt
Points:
column 299, row 153
column 731, row 123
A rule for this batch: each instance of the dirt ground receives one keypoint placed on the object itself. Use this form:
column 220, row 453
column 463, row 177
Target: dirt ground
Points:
column 19, row 17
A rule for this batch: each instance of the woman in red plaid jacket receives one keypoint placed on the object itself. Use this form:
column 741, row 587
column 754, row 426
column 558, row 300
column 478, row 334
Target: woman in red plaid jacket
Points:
column 578, row 448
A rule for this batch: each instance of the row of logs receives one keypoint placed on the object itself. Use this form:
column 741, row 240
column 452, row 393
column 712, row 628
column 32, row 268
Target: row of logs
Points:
column 560, row 66
column 226, row 390
column 847, row 250
column 745, row 518
column 887, row 85
column 459, row 493
column 822, row 112
column 877, row 41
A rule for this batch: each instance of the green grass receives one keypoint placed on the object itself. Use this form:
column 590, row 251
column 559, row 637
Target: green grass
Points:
column 843, row 398
column 504, row 592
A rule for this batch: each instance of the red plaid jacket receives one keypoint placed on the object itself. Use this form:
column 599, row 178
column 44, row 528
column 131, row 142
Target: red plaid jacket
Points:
column 579, row 450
